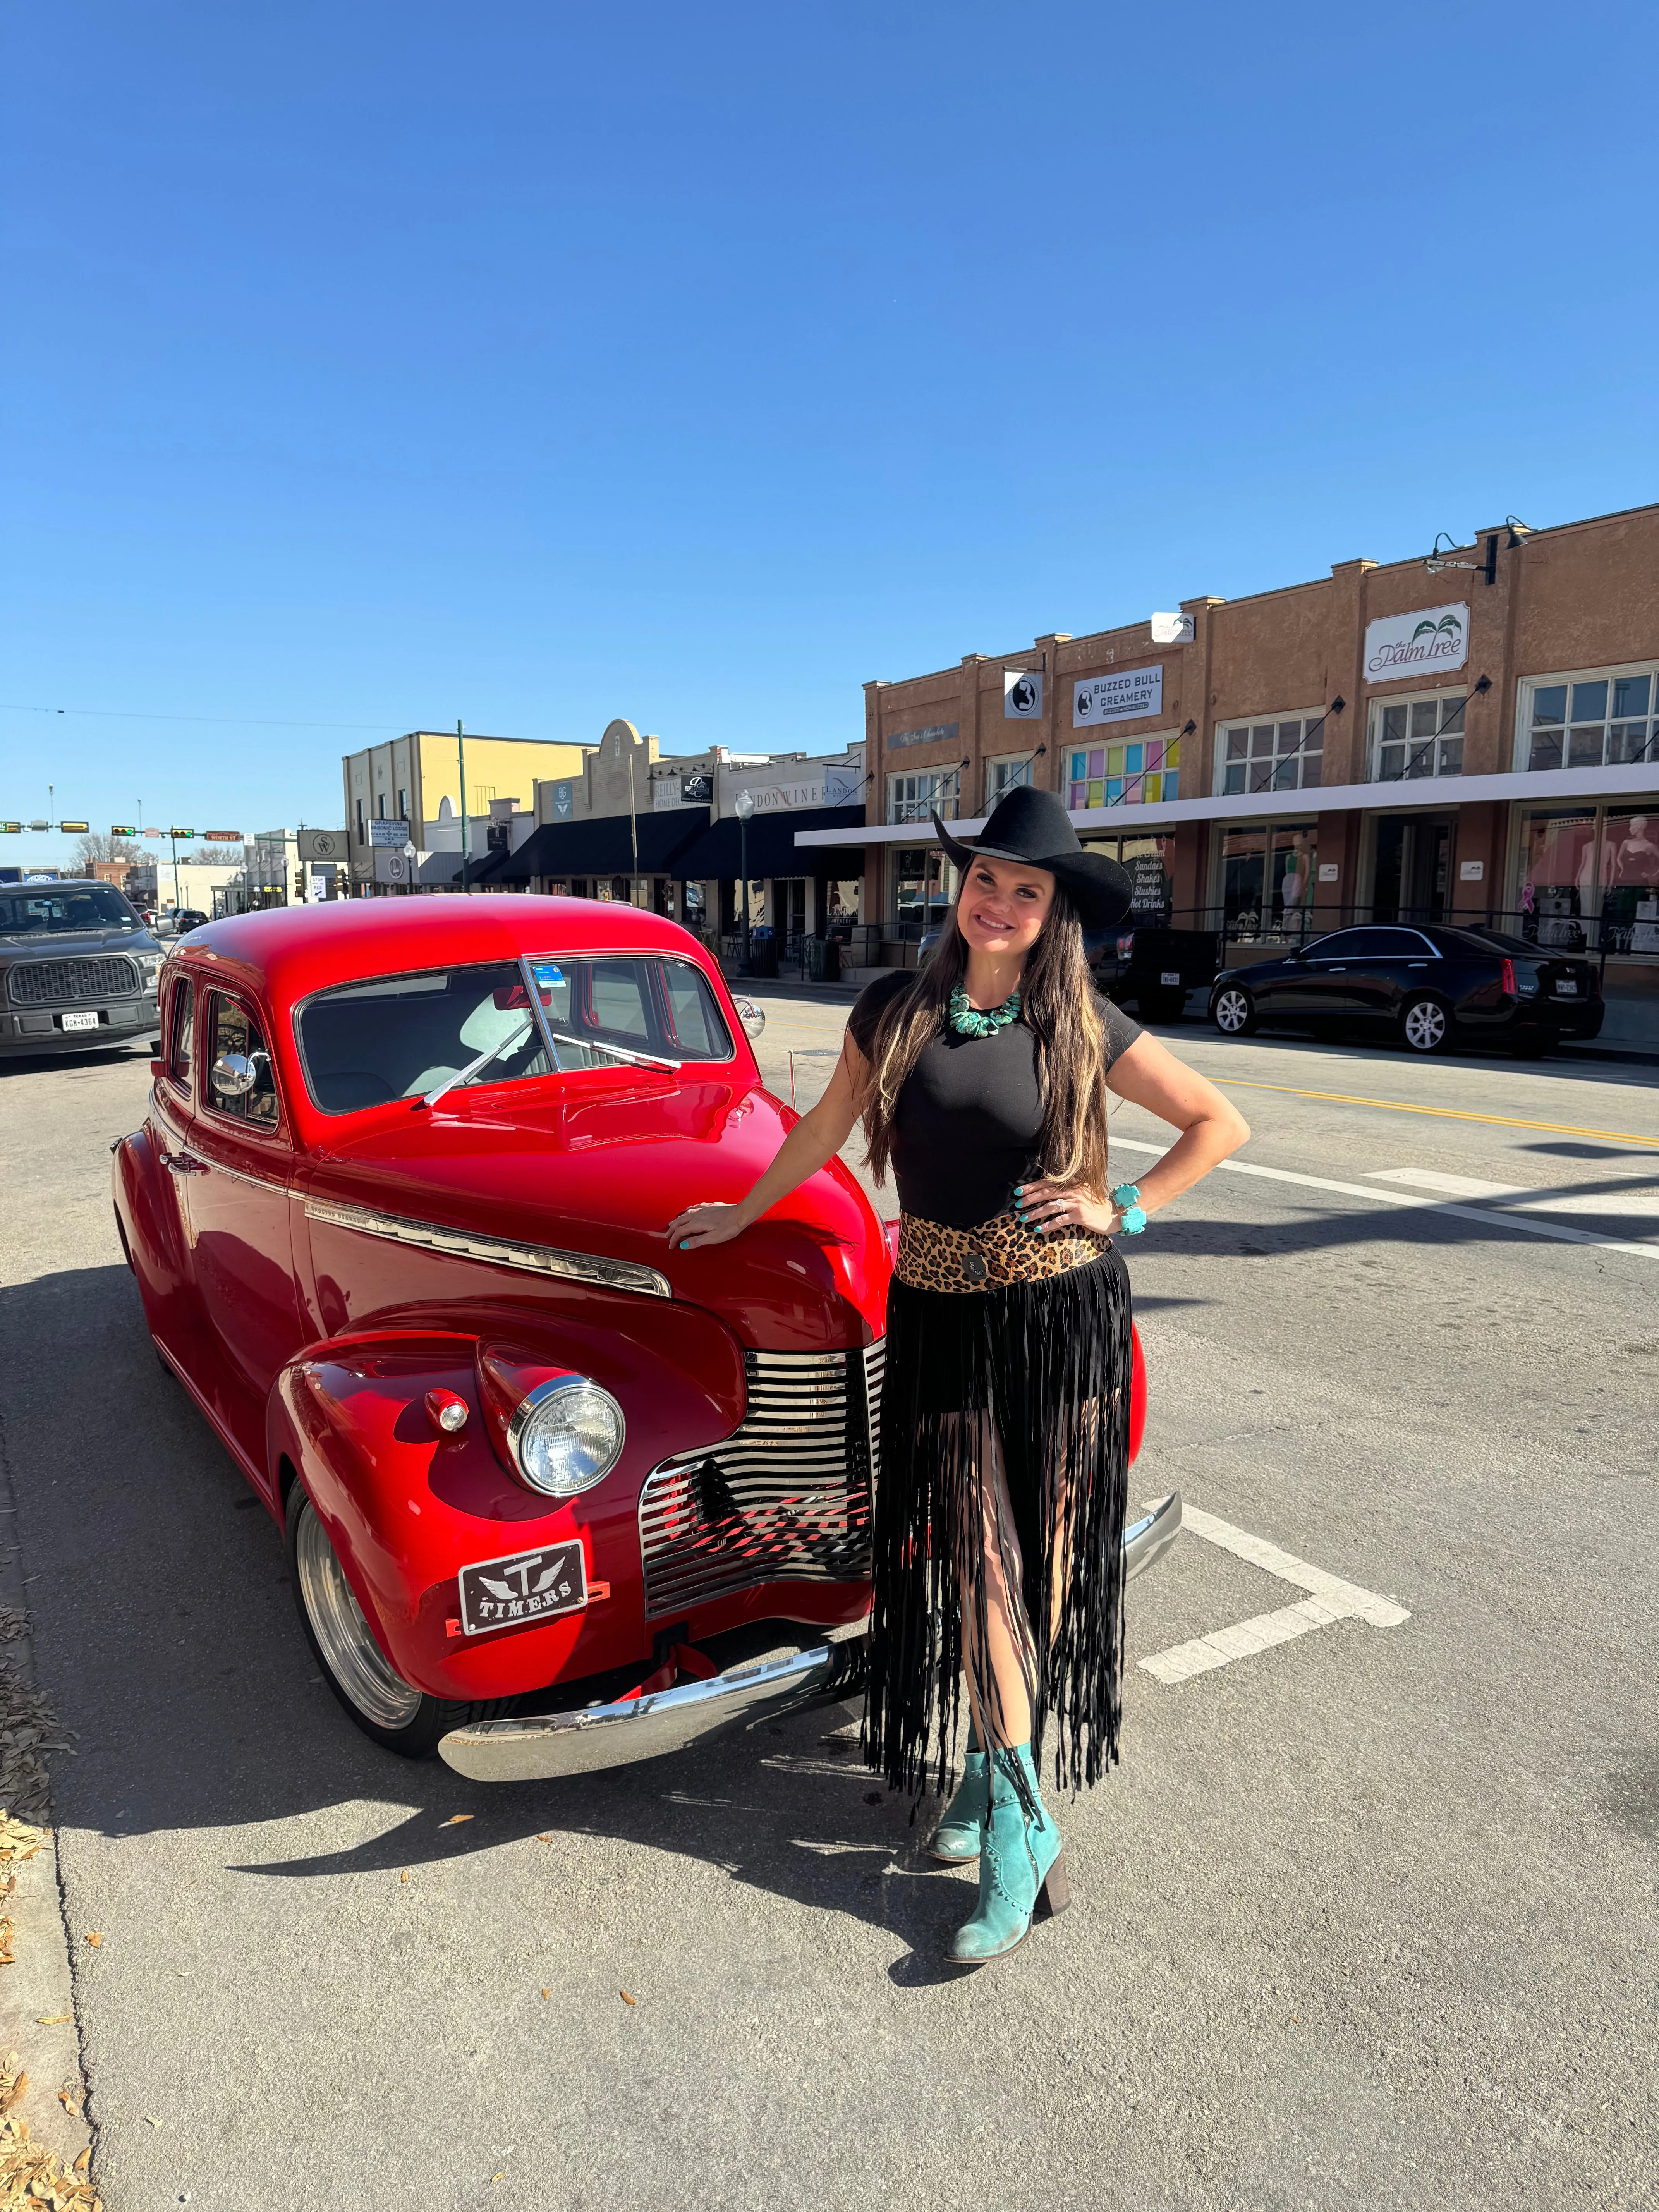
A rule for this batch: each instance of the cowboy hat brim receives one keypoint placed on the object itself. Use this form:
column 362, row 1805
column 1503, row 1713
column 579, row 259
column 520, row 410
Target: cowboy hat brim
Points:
column 1098, row 887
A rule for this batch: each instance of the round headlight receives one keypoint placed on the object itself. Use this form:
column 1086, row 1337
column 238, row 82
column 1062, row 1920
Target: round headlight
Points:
column 566, row 1435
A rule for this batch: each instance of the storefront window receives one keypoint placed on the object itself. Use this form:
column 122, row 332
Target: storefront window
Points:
column 1268, row 874
column 1593, row 720
column 1284, row 754
column 841, row 901
column 923, row 887
column 1630, row 880
column 1559, row 890
column 1147, row 773
column 1150, row 861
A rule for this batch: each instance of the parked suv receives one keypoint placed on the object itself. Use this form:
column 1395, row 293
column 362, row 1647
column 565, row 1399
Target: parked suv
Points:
column 1151, row 967
column 77, row 968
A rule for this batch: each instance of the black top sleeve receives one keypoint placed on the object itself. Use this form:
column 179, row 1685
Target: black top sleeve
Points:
column 1121, row 1032
column 872, row 1003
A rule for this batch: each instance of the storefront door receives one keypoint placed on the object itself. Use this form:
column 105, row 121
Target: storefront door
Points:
column 1412, row 880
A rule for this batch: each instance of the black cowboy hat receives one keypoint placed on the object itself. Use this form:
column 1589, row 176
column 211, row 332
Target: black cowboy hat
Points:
column 1031, row 826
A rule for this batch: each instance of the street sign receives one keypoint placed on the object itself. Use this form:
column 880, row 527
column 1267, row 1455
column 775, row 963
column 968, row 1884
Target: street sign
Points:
column 322, row 845
column 395, row 834
column 81, row 826
column 40, row 825
column 11, row 829
column 392, row 867
column 222, row 836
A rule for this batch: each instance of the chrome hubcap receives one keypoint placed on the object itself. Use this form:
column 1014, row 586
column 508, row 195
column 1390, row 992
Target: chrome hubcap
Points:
column 1231, row 1011
column 347, row 1645
column 1425, row 1026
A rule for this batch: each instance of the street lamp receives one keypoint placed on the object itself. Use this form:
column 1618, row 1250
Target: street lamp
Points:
column 743, row 806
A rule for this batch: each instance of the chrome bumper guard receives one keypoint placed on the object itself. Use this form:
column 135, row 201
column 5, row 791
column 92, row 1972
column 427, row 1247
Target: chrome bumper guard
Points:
column 593, row 1737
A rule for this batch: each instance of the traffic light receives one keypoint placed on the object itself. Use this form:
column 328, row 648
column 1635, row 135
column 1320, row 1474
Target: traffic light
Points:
column 11, row 829
column 122, row 830
column 182, row 833
column 81, row 826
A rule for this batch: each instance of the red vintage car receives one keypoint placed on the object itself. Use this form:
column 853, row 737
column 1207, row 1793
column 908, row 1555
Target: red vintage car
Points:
column 556, row 1494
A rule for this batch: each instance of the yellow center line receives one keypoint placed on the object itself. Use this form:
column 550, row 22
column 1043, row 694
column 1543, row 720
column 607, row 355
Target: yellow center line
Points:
column 1441, row 1113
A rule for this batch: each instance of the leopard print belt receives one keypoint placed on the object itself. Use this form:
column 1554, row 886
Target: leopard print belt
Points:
column 934, row 1257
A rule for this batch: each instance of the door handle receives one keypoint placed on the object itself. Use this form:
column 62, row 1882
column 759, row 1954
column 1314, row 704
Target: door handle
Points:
column 182, row 1164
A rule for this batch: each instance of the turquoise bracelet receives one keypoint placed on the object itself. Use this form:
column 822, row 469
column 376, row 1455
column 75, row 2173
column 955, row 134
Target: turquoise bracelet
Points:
column 1126, row 1199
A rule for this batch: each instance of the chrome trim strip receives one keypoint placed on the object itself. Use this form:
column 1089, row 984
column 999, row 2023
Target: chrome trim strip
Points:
column 204, row 1165
column 1147, row 1540
column 496, row 1251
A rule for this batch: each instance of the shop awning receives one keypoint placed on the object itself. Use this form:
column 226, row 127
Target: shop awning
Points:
column 601, row 845
column 716, row 857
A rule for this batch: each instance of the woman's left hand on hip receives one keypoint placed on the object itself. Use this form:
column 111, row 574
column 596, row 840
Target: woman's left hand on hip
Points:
column 1055, row 1208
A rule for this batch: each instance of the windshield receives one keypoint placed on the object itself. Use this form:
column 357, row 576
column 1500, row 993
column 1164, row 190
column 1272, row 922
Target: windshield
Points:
column 64, row 910
column 408, row 1036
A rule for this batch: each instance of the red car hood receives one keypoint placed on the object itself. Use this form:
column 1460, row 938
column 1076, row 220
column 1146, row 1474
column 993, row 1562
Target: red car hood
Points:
column 605, row 1168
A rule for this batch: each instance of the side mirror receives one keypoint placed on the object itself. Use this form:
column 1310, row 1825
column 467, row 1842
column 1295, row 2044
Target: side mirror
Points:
column 232, row 1075
column 752, row 1017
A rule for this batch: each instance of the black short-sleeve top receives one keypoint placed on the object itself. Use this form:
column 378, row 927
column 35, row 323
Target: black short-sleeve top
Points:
column 970, row 1113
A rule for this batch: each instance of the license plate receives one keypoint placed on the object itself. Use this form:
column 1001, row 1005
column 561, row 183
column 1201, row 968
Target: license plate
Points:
column 1170, row 975
column 524, row 1587
column 1566, row 990
column 79, row 1021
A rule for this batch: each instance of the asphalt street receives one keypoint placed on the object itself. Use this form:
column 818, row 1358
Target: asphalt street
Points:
column 1366, row 1917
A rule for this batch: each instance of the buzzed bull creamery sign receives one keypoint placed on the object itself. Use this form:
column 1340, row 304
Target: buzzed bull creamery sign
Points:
column 1419, row 644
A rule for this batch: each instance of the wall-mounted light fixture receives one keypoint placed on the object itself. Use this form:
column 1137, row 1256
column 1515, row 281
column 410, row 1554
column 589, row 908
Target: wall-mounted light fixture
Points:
column 1484, row 685
column 1188, row 728
column 1337, row 705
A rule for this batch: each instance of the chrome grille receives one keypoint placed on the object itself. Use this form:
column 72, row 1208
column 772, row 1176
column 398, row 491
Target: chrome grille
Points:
column 47, row 982
column 786, row 1498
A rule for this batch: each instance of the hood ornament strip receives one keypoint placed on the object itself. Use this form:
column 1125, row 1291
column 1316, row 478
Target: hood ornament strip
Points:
column 496, row 1251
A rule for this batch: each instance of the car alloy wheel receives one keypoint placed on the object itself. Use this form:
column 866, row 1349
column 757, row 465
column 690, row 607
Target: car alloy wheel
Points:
column 1426, row 1025
column 1233, row 1012
column 343, row 1635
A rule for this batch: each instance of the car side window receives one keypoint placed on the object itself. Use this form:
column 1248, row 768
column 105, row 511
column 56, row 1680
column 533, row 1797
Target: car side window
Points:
column 1346, row 945
column 181, row 1032
column 236, row 1044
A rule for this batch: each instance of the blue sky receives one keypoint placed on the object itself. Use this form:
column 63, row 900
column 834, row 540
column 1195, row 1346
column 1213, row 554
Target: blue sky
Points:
column 372, row 365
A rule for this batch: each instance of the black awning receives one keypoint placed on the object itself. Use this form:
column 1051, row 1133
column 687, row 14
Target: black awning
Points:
column 716, row 855
column 603, row 845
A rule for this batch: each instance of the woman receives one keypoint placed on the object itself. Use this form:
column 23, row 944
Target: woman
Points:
column 980, row 1079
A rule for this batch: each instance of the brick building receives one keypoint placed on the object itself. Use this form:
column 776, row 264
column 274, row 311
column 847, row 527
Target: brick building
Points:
column 1476, row 737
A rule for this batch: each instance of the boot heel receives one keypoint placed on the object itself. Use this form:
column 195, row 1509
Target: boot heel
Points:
column 1056, row 1892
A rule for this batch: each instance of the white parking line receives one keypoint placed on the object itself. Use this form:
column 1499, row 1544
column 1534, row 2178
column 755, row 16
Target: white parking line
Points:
column 1329, row 1598
column 1485, row 1214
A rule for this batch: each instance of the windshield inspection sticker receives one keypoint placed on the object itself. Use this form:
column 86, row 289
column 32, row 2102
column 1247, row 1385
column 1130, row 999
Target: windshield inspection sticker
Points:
column 1329, row 1598
column 524, row 1587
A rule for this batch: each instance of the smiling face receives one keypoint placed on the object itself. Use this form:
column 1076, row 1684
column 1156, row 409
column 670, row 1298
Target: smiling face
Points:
column 1003, row 906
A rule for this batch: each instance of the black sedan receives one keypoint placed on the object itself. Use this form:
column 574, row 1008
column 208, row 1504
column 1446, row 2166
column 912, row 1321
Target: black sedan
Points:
column 1425, row 988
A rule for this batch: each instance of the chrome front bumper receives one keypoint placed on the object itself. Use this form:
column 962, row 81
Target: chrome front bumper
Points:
column 593, row 1737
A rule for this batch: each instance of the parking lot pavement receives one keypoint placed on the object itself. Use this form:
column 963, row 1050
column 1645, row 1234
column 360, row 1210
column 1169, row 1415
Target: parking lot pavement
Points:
column 1364, row 1918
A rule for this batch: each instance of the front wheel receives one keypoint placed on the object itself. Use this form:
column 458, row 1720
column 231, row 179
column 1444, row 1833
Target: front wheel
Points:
column 1425, row 1025
column 1233, row 1011
column 398, row 1716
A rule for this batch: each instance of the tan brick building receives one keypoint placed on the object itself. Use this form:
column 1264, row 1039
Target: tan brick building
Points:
column 1478, row 740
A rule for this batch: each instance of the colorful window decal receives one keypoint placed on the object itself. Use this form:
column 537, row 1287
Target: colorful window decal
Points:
column 1125, row 775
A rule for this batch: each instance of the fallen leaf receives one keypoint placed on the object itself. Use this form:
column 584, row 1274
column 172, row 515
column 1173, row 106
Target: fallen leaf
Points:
column 454, row 1819
column 53, row 2019
column 495, row 2178
column 547, row 1993
column 543, row 1839
column 626, row 1999
column 403, row 1876
column 94, row 1939
column 83, row 2164
column 154, row 2123
column 13, row 2087
column 69, row 2097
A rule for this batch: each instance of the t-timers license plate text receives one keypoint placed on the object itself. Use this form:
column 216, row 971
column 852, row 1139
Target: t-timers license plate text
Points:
column 79, row 1021
column 1170, row 975
column 1566, row 990
column 525, row 1586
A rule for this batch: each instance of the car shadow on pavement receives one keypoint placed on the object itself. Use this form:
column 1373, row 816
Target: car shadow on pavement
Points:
column 165, row 1636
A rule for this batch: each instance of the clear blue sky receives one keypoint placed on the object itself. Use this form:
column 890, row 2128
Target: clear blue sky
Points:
column 537, row 363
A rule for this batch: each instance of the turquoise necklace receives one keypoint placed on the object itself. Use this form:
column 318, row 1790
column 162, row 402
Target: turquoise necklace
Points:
column 969, row 1021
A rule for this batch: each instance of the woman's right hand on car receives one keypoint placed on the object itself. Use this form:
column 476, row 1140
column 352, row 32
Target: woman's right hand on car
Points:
column 706, row 1224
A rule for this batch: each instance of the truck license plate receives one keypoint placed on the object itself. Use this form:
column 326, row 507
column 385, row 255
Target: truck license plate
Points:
column 1566, row 990
column 1170, row 975
column 524, row 1587
column 79, row 1021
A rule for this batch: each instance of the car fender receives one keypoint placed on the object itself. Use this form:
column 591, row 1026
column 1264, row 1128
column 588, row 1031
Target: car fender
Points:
column 406, row 1506
column 147, row 1222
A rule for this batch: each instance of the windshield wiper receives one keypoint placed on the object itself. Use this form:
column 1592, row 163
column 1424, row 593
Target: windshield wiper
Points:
column 466, row 1074
column 639, row 1058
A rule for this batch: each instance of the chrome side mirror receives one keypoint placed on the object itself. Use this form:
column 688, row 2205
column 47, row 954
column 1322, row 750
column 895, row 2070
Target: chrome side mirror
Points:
column 232, row 1075
column 752, row 1017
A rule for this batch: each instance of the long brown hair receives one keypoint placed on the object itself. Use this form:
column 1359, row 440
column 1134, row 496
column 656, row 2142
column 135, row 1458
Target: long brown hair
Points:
column 1058, row 1005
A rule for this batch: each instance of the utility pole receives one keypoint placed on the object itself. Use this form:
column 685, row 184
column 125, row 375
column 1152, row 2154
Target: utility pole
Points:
column 461, row 748
column 633, row 828
column 743, row 806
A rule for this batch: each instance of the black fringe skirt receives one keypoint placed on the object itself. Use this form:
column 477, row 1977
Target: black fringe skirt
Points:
column 1005, row 1424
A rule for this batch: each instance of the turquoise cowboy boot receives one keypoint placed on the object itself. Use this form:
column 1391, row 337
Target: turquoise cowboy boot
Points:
column 1022, row 1869
column 955, row 1840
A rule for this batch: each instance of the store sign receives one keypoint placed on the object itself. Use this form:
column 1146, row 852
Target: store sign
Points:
column 393, row 868
column 322, row 845
column 1172, row 630
column 936, row 733
column 1149, row 892
column 776, row 798
column 1022, row 695
column 1124, row 696
column 665, row 794
column 844, row 787
column 1419, row 644
column 561, row 802
column 697, row 790
column 392, row 834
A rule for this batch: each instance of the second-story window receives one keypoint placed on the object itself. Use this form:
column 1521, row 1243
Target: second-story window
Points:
column 1005, row 775
column 1413, row 737
column 913, row 797
column 1603, row 719
column 1281, row 752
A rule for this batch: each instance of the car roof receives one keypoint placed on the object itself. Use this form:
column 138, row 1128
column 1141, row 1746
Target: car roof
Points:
column 289, row 952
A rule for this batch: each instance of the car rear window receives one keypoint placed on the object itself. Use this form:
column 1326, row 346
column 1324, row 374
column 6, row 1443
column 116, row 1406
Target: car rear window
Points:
column 400, row 1036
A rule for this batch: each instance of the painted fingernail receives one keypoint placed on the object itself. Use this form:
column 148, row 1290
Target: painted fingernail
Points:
column 685, row 1244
